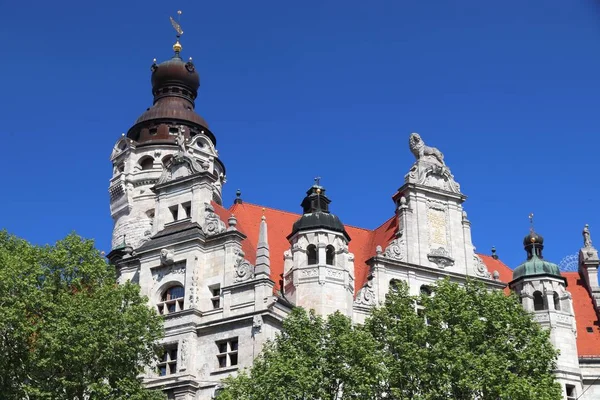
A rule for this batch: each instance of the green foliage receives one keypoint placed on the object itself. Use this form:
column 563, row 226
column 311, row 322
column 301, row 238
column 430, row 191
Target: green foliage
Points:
column 67, row 329
column 465, row 342
column 311, row 359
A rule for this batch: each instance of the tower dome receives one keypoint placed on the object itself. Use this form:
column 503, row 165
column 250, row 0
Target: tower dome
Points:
column 175, row 84
column 316, row 213
column 535, row 264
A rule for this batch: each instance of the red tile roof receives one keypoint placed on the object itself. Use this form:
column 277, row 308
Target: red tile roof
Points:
column 588, row 344
column 363, row 244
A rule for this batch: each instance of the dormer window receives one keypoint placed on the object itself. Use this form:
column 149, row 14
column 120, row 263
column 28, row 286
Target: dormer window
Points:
column 329, row 255
column 311, row 253
column 173, row 130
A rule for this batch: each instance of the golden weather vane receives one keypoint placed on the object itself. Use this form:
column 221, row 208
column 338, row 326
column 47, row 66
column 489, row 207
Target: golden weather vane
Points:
column 177, row 46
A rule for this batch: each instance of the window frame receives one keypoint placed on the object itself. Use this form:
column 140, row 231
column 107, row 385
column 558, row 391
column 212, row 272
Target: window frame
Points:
column 165, row 303
column 227, row 356
column 168, row 361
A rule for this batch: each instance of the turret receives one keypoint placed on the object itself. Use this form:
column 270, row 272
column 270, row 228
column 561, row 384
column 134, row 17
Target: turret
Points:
column 319, row 269
column 543, row 292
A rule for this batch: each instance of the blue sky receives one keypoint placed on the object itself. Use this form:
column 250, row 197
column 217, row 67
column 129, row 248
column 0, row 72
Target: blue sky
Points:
column 509, row 91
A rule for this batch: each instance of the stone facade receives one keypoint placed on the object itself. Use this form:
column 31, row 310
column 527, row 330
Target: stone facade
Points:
column 224, row 292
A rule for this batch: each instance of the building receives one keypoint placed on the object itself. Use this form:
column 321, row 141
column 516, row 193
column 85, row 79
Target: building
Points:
column 224, row 278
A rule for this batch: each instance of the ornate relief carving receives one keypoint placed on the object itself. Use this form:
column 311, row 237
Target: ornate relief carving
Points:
column 309, row 273
column 243, row 269
column 212, row 224
column 257, row 323
column 332, row 273
column 166, row 257
column 366, row 295
column 396, row 250
column 440, row 257
column 184, row 350
column 194, row 297
column 480, row 267
column 158, row 274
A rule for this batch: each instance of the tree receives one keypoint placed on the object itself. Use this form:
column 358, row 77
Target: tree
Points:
column 459, row 342
column 67, row 329
column 464, row 342
column 312, row 358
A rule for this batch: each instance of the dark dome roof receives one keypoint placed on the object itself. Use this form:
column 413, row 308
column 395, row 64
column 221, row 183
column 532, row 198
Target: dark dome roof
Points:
column 172, row 109
column 175, row 72
column 533, row 238
column 319, row 220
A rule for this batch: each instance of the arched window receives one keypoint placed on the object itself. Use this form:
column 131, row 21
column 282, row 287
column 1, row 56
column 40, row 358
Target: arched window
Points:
column 146, row 163
column 425, row 290
column 556, row 301
column 311, row 253
column 329, row 255
column 166, row 159
column 538, row 301
column 171, row 300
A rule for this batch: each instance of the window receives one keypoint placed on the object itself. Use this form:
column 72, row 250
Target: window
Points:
column 121, row 168
column 571, row 395
column 146, row 163
column 216, row 296
column 329, row 255
column 152, row 131
column 311, row 252
column 171, row 300
column 227, row 353
column 394, row 285
column 166, row 159
column 173, row 130
column 174, row 212
column 538, row 301
column 425, row 290
column 187, row 209
column 556, row 301
column 167, row 364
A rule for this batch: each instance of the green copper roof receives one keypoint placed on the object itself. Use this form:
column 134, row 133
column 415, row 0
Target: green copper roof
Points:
column 536, row 266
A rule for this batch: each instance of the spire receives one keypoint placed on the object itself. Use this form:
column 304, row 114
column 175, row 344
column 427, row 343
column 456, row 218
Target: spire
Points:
column 263, row 262
column 316, row 200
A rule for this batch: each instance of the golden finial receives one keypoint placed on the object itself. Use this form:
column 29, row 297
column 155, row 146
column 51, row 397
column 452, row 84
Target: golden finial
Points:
column 177, row 46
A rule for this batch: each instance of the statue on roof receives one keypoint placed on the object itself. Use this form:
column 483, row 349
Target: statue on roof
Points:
column 587, row 239
column 421, row 150
column 429, row 168
column 180, row 140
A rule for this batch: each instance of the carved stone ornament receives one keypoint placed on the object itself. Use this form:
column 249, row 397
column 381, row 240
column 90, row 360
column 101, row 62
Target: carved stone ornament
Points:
column 257, row 323
column 181, row 165
column 158, row 274
column 480, row 267
column 183, row 355
column 429, row 168
column 366, row 295
column 396, row 250
column 212, row 223
column 166, row 257
column 440, row 257
column 194, row 297
column 243, row 269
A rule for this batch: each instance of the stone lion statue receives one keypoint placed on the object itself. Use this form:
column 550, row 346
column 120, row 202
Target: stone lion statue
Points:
column 420, row 150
